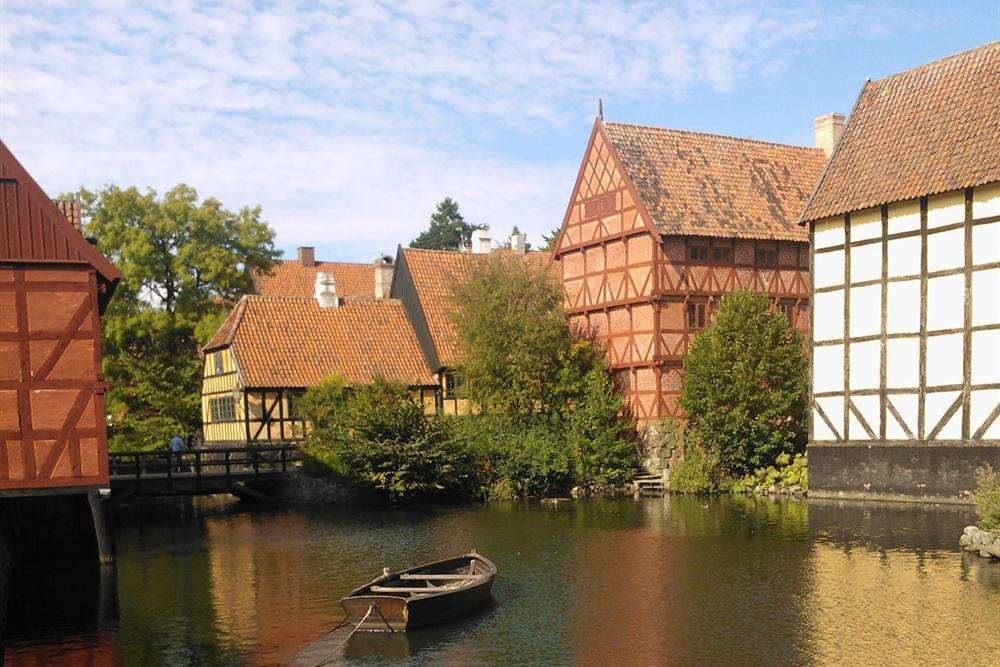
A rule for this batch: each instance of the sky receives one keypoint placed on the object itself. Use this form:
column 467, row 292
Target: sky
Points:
column 348, row 121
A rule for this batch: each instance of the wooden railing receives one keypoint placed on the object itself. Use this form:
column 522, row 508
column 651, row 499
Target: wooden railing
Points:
column 195, row 465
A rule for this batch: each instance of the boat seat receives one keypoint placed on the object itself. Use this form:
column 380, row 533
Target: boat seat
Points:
column 438, row 577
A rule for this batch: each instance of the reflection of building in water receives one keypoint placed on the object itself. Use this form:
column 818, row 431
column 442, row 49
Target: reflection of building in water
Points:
column 683, row 585
column 902, row 608
column 255, row 592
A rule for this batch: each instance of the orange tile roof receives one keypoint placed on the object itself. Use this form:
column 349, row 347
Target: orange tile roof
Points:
column 926, row 130
column 290, row 278
column 436, row 274
column 292, row 342
column 713, row 185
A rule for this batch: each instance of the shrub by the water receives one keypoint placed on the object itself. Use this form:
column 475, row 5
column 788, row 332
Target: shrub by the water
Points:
column 378, row 436
column 514, row 458
column 698, row 472
column 744, row 385
column 787, row 473
column 988, row 498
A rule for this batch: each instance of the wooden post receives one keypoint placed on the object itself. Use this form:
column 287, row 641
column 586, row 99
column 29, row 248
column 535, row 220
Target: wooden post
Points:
column 105, row 538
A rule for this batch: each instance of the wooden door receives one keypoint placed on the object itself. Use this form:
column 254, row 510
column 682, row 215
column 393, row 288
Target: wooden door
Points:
column 52, row 418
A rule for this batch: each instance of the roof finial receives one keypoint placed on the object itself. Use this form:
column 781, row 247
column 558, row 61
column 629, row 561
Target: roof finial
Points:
column 600, row 108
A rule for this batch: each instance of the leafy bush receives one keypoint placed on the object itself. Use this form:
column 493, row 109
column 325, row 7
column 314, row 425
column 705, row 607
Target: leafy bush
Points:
column 988, row 498
column 786, row 473
column 601, row 431
column 744, row 385
column 698, row 472
column 379, row 436
column 515, row 457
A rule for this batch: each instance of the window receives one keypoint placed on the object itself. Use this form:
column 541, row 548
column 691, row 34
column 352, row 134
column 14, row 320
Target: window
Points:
column 722, row 254
column 222, row 409
column 696, row 316
column 293, row 405
column 451, row 383
column 766, row 257
column 699, row 252
column 789, row 310
column 217, row 367
column 598, row 207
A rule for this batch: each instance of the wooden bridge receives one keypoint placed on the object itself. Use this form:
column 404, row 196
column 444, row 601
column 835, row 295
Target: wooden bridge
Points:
column 246, row 472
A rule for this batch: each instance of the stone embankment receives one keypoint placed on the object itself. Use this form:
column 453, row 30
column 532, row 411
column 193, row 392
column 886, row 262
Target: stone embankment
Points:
column 308, row 490
column 983, row 542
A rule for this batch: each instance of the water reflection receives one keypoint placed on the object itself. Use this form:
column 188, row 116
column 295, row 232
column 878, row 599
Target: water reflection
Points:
column 672, row 580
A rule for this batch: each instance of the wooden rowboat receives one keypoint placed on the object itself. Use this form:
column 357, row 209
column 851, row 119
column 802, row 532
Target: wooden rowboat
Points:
column 421, row 595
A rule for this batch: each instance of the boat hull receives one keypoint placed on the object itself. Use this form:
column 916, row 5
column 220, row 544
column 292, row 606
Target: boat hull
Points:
column 374, row 612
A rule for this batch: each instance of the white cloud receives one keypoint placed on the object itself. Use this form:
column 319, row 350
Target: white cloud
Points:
column 347, row 121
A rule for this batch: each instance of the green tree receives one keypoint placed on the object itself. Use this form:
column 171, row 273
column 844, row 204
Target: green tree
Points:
column 550, row 239
column 184, row 262
column 744, row 386
column 602, row 431
column 448, row 229
column 511, row 334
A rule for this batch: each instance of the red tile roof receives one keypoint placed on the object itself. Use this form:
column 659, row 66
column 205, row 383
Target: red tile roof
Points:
column 290, row 278
column 926, row 130
column 714, row 185
column 436, row 274
column 292, row 342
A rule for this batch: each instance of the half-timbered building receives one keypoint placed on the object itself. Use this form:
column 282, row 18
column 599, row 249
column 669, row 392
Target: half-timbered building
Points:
column 53, row 287
column 271, row 349
column 905, row 227
column 660, row 224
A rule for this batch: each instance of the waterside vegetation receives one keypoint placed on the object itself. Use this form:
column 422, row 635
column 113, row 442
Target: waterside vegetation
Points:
column 545, row 414
column 744, row 393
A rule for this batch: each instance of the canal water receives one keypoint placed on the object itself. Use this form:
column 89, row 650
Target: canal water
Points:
column 673, row 580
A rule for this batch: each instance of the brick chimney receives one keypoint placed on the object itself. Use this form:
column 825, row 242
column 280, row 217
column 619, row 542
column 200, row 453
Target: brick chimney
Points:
column 482, row 243
column 828, row 129
column 307, row 256
column 326, row 290
column 384, row 269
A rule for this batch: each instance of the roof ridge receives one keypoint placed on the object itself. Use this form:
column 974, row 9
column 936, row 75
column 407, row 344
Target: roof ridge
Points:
column 323, row 261
column 939, row 61
column 718, row 135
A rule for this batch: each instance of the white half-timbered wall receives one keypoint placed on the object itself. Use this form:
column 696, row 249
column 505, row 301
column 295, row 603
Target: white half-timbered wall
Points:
column 906, row 322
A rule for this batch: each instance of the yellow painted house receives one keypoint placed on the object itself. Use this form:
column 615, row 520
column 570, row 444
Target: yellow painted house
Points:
column 310, row 320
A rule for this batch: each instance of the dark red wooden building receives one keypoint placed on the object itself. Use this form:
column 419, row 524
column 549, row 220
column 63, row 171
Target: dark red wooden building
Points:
column 53, row 287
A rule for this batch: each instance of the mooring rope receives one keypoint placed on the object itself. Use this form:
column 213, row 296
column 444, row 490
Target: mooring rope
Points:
column 373, row 607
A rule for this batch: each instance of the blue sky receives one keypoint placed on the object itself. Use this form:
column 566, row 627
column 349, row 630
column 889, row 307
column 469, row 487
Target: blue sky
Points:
column 348, row 121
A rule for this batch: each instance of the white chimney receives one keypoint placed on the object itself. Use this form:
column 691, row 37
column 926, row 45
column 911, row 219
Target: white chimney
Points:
column 518, row 242
column 383, row 276
column 828, row 129
column 307, row 256
column 481, row 242
column 326, row 290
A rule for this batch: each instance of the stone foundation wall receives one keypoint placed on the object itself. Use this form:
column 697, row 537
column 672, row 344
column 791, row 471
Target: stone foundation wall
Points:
column 933, row 473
